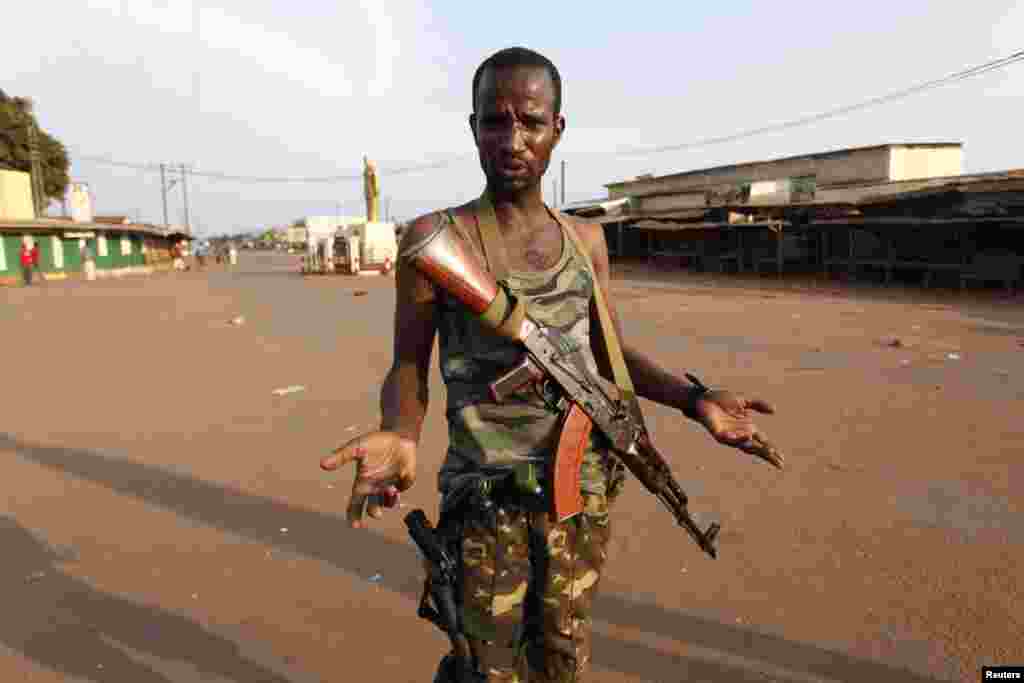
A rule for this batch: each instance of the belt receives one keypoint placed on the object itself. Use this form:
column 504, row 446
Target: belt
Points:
column 514, row 487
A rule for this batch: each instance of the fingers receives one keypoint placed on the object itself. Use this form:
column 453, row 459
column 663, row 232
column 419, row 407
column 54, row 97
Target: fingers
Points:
column 341, row 456
column 389, row 498
column 355, row 511
column 759, row 446
column 365, row 500
column 368, row 499
column 761, row 406
column 754, row 442
column 733, row 438
column 375, row 504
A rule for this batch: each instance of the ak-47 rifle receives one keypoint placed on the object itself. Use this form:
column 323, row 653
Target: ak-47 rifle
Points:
column 446, row 259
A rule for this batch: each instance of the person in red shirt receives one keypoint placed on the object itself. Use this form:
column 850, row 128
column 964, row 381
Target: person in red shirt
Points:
column 27, row 262
column 35, row 256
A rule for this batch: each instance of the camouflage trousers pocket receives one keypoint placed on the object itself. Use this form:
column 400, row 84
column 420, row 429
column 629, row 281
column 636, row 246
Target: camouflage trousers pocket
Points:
column 528, row 584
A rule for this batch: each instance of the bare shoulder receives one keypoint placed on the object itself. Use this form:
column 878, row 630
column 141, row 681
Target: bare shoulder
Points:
column 413, row 287
column 590, row 233
column 421, row 227
column 592, row 236
column 458, row 218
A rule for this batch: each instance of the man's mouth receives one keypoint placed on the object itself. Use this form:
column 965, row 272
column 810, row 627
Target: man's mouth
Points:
column 512, row 167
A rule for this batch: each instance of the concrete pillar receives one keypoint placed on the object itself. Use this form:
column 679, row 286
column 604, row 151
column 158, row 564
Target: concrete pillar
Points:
column 851, row 268
column 328, row 255
column 311, row 263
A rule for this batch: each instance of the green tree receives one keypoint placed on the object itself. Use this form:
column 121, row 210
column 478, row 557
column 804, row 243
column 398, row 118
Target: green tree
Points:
column 14, row 148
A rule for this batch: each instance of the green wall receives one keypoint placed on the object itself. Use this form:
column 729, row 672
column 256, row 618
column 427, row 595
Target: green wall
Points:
column 45, row 252
column 12, row 254
column 72, row 254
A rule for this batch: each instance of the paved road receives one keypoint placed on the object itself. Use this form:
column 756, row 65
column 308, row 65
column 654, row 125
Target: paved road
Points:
column 164, row 518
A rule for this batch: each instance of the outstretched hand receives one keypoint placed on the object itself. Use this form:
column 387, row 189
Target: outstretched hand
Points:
column 385, row 466
column 728, row 417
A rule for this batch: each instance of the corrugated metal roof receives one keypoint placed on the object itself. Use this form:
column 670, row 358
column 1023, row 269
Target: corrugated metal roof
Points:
column 64, row 225
column 796, row 157
column 704, row 225
column 597, row 207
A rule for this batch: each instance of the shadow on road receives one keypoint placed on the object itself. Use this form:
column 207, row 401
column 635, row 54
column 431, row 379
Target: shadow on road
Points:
column 68, row 626
column 363, row 554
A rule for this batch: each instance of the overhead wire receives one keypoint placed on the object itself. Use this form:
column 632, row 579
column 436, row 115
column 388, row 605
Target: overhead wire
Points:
column 961, row 75
column 883, row 99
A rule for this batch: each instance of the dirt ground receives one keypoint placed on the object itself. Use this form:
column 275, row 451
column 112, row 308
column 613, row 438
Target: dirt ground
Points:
column 164, row 518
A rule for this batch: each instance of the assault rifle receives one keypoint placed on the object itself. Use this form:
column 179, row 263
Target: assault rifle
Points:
column 552, row 361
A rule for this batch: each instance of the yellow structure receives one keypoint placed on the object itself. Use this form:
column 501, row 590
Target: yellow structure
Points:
column 371, row 190
column 16, row 196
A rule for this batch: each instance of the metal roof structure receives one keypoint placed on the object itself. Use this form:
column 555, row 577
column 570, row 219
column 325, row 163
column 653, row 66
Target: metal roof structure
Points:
column 835, row 153
column 49, row 225
column 994, row 194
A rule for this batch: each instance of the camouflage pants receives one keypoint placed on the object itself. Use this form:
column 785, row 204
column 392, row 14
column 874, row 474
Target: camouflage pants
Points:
column 528, row 584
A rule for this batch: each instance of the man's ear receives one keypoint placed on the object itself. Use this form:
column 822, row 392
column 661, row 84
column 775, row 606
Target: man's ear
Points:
column 559, row 128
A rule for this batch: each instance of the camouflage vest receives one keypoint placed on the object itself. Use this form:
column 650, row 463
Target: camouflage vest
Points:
column 524, row 427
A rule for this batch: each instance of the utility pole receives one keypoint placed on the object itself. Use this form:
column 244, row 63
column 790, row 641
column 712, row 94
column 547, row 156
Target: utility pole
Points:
column 563, row 183
column 36, row 167
column 184, row 193
column 163, row 191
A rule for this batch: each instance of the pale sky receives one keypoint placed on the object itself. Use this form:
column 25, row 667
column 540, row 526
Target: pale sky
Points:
column 307, row 87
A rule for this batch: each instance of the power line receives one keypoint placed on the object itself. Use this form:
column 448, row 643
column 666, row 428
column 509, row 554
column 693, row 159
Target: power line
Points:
column 883, row 99
column 214, row 175
column 706, row 142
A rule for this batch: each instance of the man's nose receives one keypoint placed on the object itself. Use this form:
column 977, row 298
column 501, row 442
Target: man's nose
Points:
column 512, row 140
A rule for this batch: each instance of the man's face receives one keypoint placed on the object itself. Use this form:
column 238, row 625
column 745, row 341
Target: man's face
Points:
column 515, row 126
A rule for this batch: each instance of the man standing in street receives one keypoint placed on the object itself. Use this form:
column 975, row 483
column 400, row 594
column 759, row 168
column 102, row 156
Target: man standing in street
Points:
column 88, row 262
column 526, row 581
column 35, row 258
column 27, row 263
column 199, row 254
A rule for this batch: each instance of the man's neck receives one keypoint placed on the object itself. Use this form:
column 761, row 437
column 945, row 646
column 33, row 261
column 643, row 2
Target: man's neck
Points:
column 519, row 210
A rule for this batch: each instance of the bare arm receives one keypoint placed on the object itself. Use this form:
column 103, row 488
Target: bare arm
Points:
column 404, row 396
column 649, row 379
column 726, row 415
column 386, row 459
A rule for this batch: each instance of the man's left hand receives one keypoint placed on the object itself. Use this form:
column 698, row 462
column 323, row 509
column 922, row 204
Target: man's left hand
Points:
column 728, row 417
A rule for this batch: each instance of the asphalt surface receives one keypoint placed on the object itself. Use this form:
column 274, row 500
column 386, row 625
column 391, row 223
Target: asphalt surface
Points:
column 164, row 518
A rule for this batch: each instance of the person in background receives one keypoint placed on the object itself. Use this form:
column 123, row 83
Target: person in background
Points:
column 35, row 258
column 26, row 264
column 88, row 262
column 177, row 260
column 200, row 255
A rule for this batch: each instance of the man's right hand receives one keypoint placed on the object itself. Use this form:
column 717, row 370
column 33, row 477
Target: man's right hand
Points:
column 385, row 466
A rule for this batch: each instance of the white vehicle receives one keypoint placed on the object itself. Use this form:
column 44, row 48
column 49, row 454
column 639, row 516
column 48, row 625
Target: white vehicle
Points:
column 365, row 247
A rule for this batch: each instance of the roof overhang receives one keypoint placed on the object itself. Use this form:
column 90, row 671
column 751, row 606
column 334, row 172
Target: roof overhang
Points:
column 598, row 207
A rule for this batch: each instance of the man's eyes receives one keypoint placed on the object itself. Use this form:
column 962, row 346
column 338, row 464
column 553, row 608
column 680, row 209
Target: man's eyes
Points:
column 530, row 124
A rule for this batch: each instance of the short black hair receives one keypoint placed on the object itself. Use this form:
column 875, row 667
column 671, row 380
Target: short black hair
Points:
column 520, row 56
